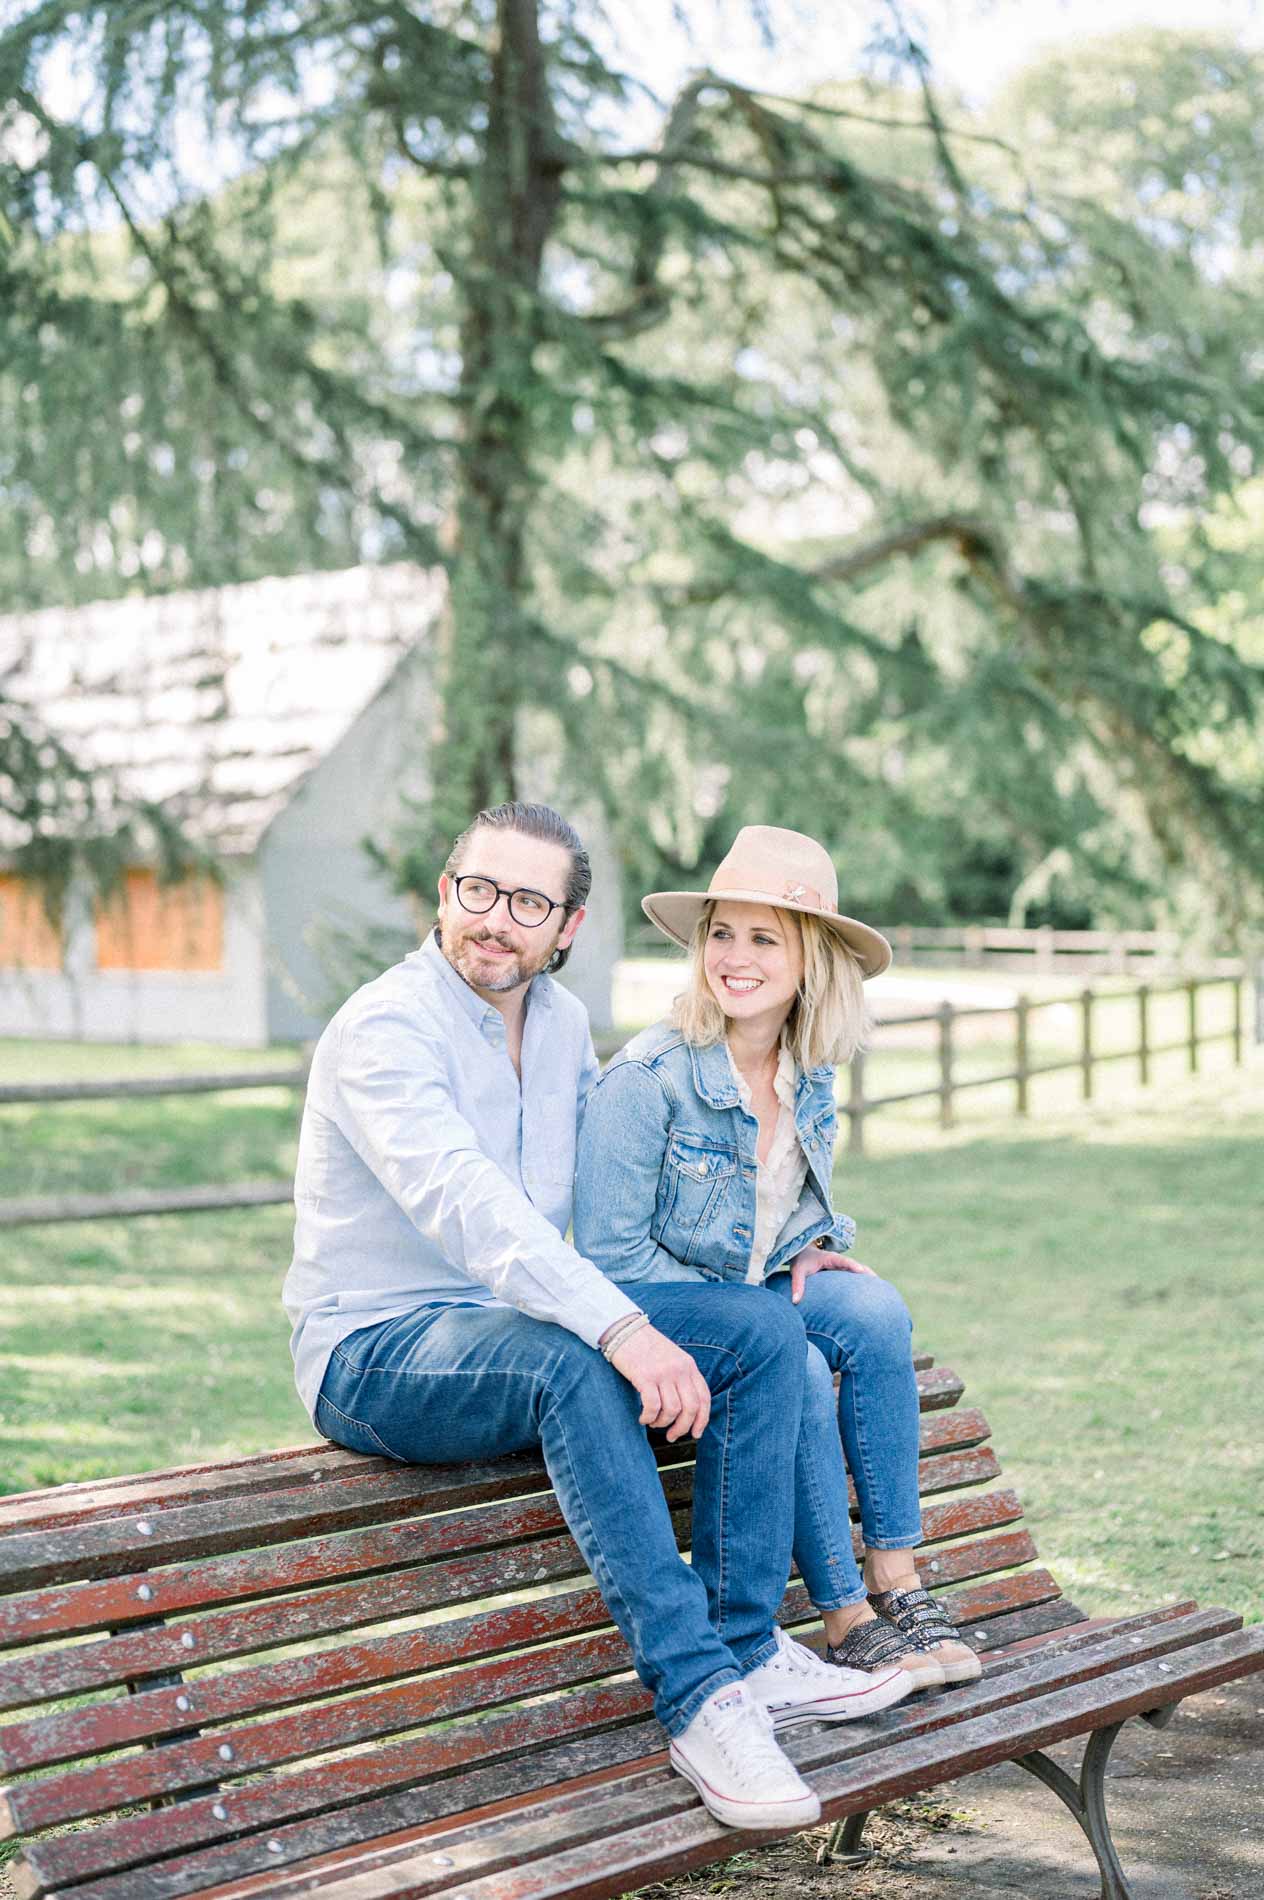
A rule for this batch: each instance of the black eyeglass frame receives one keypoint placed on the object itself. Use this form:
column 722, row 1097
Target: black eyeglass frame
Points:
column 523, row 890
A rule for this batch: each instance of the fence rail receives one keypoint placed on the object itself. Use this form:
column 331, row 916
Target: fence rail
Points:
column 857, row 1107
column 134, row 1087
column 1088, row 1057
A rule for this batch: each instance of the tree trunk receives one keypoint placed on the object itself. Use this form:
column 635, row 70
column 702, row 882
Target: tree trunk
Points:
column 484, row 657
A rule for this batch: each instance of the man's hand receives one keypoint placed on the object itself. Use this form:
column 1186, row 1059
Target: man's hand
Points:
column 814, row 1260
column 673, row 1391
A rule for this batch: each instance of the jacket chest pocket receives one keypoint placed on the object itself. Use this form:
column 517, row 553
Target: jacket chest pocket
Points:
column 695, row 1176
column 818, row 1138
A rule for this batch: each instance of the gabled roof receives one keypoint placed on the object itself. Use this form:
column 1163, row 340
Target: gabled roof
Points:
column 217, row 703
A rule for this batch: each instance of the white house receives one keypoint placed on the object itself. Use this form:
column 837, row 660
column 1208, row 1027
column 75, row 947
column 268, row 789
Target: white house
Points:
column 290, row 719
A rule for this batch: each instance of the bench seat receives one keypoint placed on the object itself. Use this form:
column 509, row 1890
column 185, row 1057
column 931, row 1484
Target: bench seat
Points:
column 312, row 1671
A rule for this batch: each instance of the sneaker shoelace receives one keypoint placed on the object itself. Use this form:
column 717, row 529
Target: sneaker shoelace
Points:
column 794, row 1659
column 749, row 1747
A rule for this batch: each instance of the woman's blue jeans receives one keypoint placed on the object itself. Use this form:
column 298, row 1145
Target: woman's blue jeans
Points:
column 858, row 1326
column 445, row 1384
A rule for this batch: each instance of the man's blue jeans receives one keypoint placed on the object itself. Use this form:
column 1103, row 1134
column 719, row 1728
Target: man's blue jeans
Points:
column 445, row 1384
column 859, row 1327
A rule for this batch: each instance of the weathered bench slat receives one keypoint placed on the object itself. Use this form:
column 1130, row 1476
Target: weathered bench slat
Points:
column 957, row 1429
column 349, row 1828
column 631, row 1843
column 133, row 1839
column 937, row 1388
column 284, row 1620
column 978, row 1558
column 334, row 1832
column 369, row 1742
column 984, row 1600
column 411, row 1806
column 957, row 1517
column 36, row 1615
column 44, row 1741
column 367, row 1716
column 955, row 1470
column 353, row 1718
column 480, row 1847
column 110, row 1547
column 403, row 1543
column 105, row 1547
column 57, row 1506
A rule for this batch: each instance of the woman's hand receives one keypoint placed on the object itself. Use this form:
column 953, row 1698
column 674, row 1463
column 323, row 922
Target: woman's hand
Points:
column 815, row 1260
column 673, row 1391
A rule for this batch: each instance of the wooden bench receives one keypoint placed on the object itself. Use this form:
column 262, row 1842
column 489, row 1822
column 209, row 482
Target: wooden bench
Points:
column 266, row 1676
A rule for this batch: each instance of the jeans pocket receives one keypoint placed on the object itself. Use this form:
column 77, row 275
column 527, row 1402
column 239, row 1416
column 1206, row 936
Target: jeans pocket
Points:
column 351, row 1433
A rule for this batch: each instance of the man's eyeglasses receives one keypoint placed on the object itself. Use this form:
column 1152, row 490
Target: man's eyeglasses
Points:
column 527, row 908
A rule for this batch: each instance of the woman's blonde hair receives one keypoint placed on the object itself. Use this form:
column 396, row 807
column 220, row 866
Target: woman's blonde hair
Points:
column 828, row 1020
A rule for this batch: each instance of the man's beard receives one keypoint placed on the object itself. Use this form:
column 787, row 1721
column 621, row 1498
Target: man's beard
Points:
column 480, row 974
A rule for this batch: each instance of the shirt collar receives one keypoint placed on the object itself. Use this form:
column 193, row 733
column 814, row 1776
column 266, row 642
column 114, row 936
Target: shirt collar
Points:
column 783, row 1081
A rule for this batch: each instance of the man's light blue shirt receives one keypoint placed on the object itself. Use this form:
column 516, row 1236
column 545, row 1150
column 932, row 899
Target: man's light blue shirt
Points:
column 428, row 1174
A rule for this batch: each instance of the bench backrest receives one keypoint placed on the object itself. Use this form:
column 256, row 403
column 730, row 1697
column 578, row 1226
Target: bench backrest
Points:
column 231, row 1668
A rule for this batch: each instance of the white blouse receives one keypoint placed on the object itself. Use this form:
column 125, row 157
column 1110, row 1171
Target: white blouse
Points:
column 779, row 1180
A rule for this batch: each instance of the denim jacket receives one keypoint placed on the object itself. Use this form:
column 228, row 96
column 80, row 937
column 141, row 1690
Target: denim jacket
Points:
column 665, row 1182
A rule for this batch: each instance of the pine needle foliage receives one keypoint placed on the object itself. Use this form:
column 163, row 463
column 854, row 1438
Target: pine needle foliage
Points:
column 809, row 461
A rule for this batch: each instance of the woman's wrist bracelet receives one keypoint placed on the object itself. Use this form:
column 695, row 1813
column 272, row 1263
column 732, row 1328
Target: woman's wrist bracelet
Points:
column 618, row 1335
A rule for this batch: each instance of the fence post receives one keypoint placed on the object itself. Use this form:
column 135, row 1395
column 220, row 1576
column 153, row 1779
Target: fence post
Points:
column 1259, row 998
column 946, row 1013
column 1143, row 1032
column 974, row 946
column 1191, row 995
column 1086, row 1044
column 856, row 1106
column 904, row 943
column 1044, row 950
column 1237, row 1022
column 1021, row 1065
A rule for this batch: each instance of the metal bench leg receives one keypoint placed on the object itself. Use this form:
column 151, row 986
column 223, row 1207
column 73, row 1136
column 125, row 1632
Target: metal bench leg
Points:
column 164, row 1679
column 843, row 1848
column 1087, row 1802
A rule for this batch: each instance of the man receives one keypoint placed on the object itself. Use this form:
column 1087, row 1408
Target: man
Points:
column 440, row 1315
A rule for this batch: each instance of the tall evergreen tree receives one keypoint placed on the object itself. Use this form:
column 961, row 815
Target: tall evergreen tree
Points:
column 800, row 461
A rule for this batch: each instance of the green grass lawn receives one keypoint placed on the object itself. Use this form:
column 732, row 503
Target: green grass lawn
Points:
column 1096, row 1281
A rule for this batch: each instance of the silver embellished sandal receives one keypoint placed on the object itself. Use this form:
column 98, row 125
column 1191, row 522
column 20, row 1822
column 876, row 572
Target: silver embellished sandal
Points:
column 877, row 1645
column 920, row 1620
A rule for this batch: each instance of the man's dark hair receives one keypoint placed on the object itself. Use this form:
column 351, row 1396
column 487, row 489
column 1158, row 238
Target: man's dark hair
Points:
column 549, row 826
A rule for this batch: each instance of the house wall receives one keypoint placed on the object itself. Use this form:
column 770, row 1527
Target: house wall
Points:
column 84, row 1003
column 317, row 878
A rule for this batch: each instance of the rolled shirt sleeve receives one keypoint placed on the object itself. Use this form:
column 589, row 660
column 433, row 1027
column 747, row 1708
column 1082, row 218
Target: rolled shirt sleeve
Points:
column 397, row 1109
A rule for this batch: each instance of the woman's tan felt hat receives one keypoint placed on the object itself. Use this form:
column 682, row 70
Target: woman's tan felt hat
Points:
column 769, row 866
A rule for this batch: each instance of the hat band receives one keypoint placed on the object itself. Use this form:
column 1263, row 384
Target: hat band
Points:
column 794, row 893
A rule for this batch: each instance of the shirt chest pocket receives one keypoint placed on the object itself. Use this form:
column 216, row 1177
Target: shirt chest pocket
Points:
column 696, row 1176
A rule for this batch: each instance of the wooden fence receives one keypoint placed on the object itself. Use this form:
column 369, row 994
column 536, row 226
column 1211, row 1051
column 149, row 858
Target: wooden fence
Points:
column 1044, row 952
column 857, row 1107
column 1088, row 1057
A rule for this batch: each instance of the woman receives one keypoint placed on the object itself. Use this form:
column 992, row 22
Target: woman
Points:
column 706, row 1154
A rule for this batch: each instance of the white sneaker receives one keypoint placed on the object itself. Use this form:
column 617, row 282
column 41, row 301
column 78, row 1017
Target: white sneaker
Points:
column 729, row 1753
column 796, row 1685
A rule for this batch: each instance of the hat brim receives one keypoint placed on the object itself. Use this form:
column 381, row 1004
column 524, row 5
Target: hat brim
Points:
column 676, row 913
